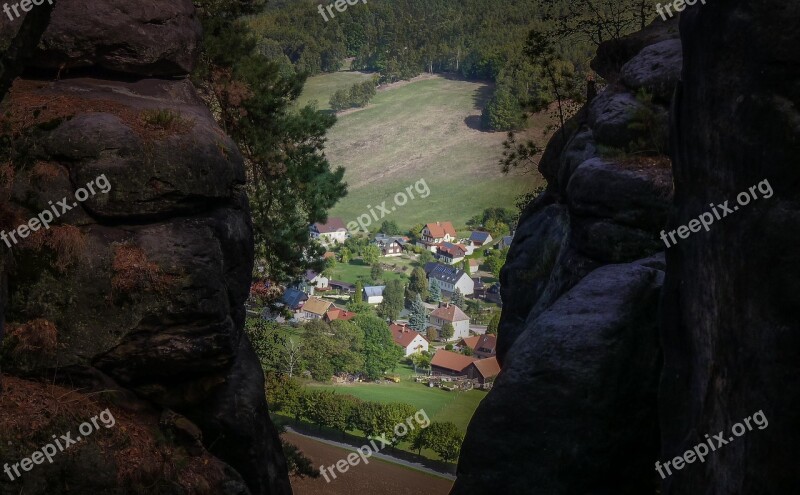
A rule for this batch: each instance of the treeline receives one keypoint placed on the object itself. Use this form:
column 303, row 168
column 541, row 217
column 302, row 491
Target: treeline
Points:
column 476, row 39
column 346, row 413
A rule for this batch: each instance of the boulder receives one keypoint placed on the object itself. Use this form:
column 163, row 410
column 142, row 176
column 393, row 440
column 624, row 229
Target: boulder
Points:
column 657, row 69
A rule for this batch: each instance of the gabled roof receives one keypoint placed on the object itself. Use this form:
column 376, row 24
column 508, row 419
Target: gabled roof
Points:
column 479, row 236
column 470, row 341
column 374, row 290
column 443, row 273
column 293, row 297
column 474, row 263
column 487, row 367
column 339, row 283
column 452, row 360
column 454, row 250
column 332, row 225
column 317, row 306
column 403, row 334
column 487, row 342
column 334, row 314
column 450, row 312
column 439, row 229
column 311, row 275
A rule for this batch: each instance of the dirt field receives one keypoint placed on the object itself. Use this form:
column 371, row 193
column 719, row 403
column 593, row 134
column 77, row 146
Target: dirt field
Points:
column 377, row 477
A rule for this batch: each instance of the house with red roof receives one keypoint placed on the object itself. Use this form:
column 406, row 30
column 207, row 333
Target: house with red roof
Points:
column 407, row 338
column 450, row 253
column 335, row 313
column 450, row 313
column 455, row 364
column 436, row 233
column 483, row 370
column 485, row 346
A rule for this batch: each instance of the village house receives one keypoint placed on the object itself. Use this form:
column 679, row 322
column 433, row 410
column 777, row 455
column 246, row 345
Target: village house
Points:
column 455, row 364
column 344, row 287
column 313, row 281
column 436, row 233
column 293, row 299
column 473, row 266
column 506, row 241
column 479, row 238
column 374, row 294
column 450, row 253
column 483, row 346
column 335, row 313
column 315, row 308
column 410, row 340
column 389, row 246
column 449, row 278
column 331, row 232
column 450, row 313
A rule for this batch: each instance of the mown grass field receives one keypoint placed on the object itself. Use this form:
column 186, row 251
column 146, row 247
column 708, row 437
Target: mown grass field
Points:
column 426, row 129
column 440, row 405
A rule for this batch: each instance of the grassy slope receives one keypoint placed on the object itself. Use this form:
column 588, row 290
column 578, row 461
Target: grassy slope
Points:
column 414, row 131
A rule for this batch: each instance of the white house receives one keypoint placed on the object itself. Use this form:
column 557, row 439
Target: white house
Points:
column 450, row 253
column 449, row 277
column 410, row 340
column 314, row 281
column 374, row 294
column 331, row 232
column 450, row 313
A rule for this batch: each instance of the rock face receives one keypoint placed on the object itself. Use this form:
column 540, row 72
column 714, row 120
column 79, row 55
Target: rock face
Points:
column 731, row 345
column 144, row 282
column 574, row 410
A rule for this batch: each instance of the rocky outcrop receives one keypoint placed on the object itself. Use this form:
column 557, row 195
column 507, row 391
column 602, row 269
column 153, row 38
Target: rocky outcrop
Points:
column 730, row 338
column 575, row 408
column 141, row 286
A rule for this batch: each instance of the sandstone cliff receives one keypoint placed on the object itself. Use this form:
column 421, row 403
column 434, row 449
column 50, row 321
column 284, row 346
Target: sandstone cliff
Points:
column 140, row 289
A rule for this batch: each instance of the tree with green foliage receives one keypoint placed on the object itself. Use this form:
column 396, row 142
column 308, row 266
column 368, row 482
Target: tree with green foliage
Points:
column 458, row 298
column 496, row 261
column 503, row 112
column 447, row 331
column 371, row 254
column 420, row 360
column 283, row 146
column 380, row 352
column 283, row 393
column 419, row 317
column 345, row 255
column 389, row 227
column 418, row 284
column 466, row 351
column 464, row 266
column 392, row 303
column 277, row 351
column 443, row 438
column 432, row 334
column 415, row 233
column 358, row 295
column 319, row 350
column 494, row 324
column 376, row 272
column 350, row 355
column 435, row 295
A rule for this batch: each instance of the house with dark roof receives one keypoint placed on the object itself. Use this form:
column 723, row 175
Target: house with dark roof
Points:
column 389, row 246
column 331, row 232
column 407, row 338
column 505, row 241
column 450, row 253
column 479, row 238
column 313, row 281
column 294, row 299
column 450, row 313
column 449, row 278
column 345, row 287
column 485, row 346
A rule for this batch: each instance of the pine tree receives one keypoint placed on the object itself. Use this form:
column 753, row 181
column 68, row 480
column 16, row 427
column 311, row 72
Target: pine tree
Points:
column 458, row 298
column 436, row 292
column 358, row 297
column 419, row 317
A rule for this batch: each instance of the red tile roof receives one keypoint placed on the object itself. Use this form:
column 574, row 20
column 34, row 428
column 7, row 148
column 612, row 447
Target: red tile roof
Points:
column 439, row 229
column 452, row 360
column 487, row 341
column 403, row 334
column 339, row 314
column 487, row 367
column 450, row 312
column 470, row 341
